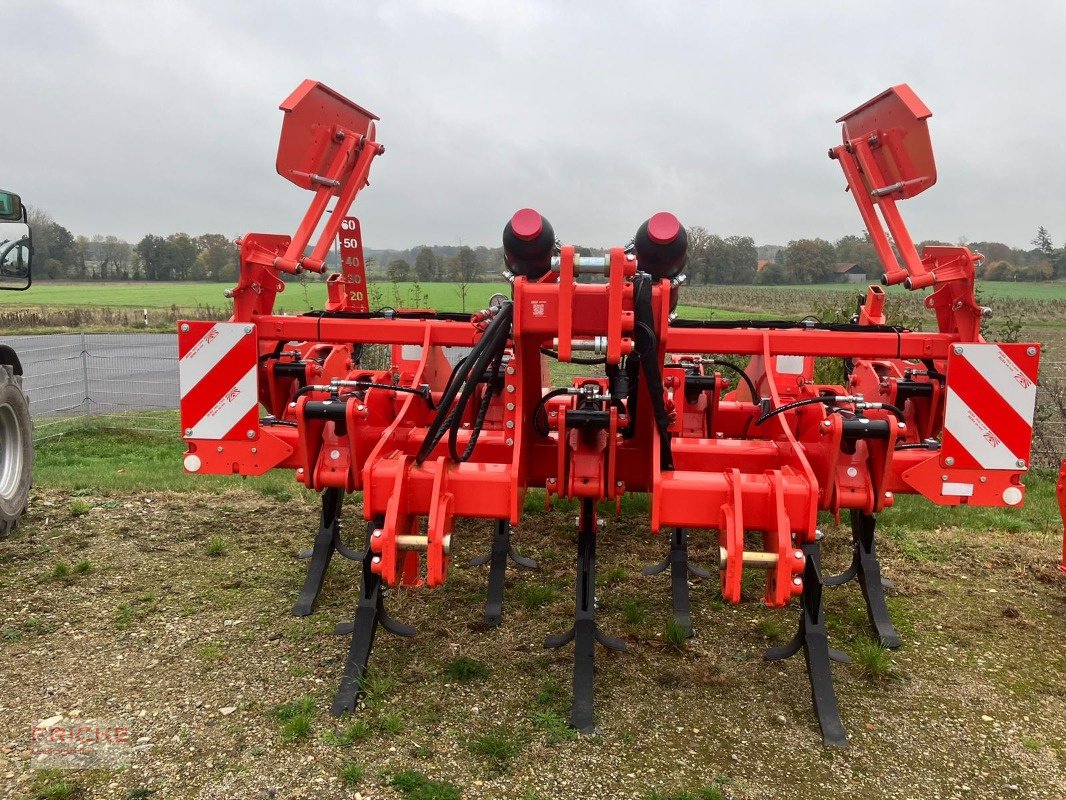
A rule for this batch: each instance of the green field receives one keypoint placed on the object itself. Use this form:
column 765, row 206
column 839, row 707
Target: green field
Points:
column 312, row 294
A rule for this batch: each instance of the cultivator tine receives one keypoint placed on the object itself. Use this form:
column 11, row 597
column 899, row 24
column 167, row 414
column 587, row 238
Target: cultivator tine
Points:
column 811, row 637
column 322, row 552
column 680, row 569
column 497, row 561
column 369, row 614
column 585, row 633
column 866, row 567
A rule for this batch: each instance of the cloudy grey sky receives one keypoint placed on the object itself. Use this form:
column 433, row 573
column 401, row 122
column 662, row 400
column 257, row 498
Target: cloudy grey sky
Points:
column 136, row 117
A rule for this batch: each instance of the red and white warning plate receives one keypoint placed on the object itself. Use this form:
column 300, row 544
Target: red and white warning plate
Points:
column 991, row 398
column 217, row 377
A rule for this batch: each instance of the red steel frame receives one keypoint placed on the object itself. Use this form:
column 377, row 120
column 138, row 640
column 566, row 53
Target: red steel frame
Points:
column 727, row 476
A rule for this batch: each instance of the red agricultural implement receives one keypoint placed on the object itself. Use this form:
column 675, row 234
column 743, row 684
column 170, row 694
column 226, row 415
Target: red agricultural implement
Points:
column 722, row 424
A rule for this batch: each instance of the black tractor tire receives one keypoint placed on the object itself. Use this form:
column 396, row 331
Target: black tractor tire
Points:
column 16, row 450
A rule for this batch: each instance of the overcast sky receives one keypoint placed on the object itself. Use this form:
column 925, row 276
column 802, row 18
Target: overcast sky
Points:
column 139, row 117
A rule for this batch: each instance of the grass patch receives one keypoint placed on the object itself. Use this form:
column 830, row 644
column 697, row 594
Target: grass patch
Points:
column 352, row 774
column 83, row 567
column 773, row 629
column 210, row 653
column 216, row 547
column 551, row 695
column 873, row 660
column 413, row 785
column 355, row 732
column 465, row 669
column 60, row 571
column 79, row 508
column 376, row 688
column 610, row 577
column 554, row 725
column 392, row 724
column 96, row 457
column 534, row 595
column 634, row 611
column 676, row 635
column 54, row 784
column 124, row 616
column 295, row 718
column 706, row 793
column 498, row 747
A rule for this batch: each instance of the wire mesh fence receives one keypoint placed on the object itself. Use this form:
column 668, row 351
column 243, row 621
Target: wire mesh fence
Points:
column 125, row 380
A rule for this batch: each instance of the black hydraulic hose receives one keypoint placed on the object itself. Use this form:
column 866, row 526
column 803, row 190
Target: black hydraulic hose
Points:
column 481, row 369
column 893, row 410
column 304, row 390
column 647, row 345
column 743, row 375
column 538, row 410
column 473, row 368
column 807, row 401
column 483, row 410
column 574, row 359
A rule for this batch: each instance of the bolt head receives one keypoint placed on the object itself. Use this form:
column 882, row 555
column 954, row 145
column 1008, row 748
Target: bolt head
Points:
column 247, row 328
column 826, row 423
column 1021, row 463
column 797, row 581
column 188, row 431
column 250, row 434
column 185, row 327
column 510, row 406
column 510, row 388
column 510, row 442
column 957, row 349
column 551, row 480
column 949, row 461
column 888, row 495
column 299, row 470
column 619, row 484
column 901, row 425
column 510, row 370
column 510, row 423
column 219, row 448
column 1031, row 351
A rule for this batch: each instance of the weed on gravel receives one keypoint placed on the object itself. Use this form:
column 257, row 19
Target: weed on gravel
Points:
column 874, row 660
column 295, row 718
column 352, row 774
column 498, row 747
column 355, row 732
column 54, row 784
column 413, row 785
column 216, row 547
column 465, row 669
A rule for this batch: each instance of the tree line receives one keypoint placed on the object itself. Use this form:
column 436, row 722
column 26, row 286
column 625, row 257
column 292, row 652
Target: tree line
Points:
column 712, row 259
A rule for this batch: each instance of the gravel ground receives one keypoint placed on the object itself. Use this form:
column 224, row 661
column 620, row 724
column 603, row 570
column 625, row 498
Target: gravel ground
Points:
column 196, row 652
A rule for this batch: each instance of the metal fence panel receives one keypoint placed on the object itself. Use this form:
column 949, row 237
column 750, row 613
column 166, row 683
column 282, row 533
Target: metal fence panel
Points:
column 93, row 374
